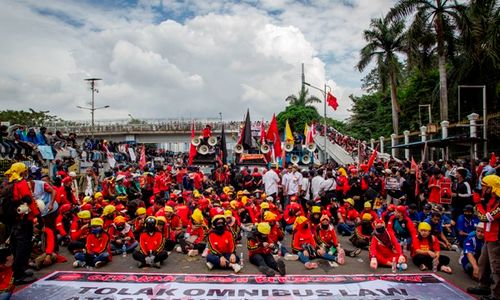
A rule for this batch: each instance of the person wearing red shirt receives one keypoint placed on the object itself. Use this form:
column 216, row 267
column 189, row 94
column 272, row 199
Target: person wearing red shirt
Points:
column 63, row 223
column 384, row 248
column 368, row 210
column 326, row 238
column 426, row 250
column 292, row 211
column 48, row 248
column 435, row 183
column 79, row 231
column 348, row 218
column 151, row 245
column 6, row 273
column 303, row 242
column 122, row 236
column 25, row 211
column 260, row 249
column 197, row 230
column 488, row 211
column 182, row 210
column 97, row 247
column 65, row 193
column 221, row 246
column 207, row 132
column 197, row 177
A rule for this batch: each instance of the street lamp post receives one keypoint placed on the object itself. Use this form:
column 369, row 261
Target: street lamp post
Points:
column 92, row 107
column 324, row 92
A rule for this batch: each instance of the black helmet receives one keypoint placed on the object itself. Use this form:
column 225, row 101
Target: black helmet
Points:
column 150, row 224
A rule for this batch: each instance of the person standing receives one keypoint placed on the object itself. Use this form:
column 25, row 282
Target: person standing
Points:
column 271, row 181
column 291, row 183
column 489, row 261
column 316, row 183
column 26, row 211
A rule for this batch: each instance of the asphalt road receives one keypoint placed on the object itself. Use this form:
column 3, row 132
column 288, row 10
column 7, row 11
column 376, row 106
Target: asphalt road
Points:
column 182, row 264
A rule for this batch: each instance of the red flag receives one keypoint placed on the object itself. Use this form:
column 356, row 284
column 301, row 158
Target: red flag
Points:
column 414, row 166
column 274, row 136
column 142, row 159
column 332, row 101
column 192, row 148
column 372, row 158
column 493, row 159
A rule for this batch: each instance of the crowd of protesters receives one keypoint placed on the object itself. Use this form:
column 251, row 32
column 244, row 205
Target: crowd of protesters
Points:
column 148, row 212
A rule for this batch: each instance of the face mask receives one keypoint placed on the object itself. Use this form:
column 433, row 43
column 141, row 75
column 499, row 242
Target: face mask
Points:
column 219, row 227
column 306, row 226
column 150, row 228
column 96, row 230
column 325, row 226
column 380, row 229
column 272, row 224
column 120, row 228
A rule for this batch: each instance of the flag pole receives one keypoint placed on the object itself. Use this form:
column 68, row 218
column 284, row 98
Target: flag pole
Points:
column 324, row 120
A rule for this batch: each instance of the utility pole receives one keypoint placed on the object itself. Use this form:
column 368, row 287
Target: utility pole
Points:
column 92, row 107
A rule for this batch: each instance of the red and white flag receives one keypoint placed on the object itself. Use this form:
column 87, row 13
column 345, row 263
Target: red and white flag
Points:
column 192, row 148
column 109, row 155
column 142, row 159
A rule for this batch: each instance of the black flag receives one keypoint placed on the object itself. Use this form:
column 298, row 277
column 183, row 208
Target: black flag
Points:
column 246, row 140
column 223, row 147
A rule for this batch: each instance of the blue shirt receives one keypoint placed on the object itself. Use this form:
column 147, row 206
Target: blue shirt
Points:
column 465, row 225
column 415, row 216
column 435, row 228
column 471, row 245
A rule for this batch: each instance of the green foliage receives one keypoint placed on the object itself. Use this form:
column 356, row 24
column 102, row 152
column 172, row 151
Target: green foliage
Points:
column 371, row 117
column 28, row 118
column 297, row 117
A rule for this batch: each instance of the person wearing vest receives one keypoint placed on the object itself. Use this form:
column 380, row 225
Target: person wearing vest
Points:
column 42, row 190
column 488, row 211
column 260, row 251
column 384, row 248
column 221, row 246
column 22, row 228
column 151, row 251
column 97, row 247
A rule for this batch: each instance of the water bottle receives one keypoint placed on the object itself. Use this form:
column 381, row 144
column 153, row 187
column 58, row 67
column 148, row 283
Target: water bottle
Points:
column 434, row 265
column 393, row 265
column 403, row 245
column 241, row 259
column 124, row 251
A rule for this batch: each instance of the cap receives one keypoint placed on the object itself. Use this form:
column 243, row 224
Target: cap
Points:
column 368, row 204
column 169, row 209
column 316, row 210
column 108, row 209
column 84, row 214
column 424, row 226
column 366, row 217
column 269, row 216
column 264, row 205
column 264, row 228
column 96, row 222
column 350, row 201
column 140, row 211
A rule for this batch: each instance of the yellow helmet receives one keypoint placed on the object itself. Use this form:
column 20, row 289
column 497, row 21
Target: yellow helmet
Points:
column 264, row 228
column 228, row 213
column 350, row 201
column 97, row 195
column 197, row 216
column 366, row 217
column 108, row 209
column 169, row 209
column 368, row 204
column 87, row 199
column 244, row 200
column 424, row 226
column 217, row 217
column 269, row 216
column 84, row 214
column 96, row 222
column 299, row 220
column 140, row 211
column 492, row 181
column 161, row 219
column 316, row 210
column 15, row 170
column 264, row 205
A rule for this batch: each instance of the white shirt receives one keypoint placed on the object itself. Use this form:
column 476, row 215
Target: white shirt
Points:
column 291, row 182
column 316, row 185
column 305, row 188
column 271, row 180
column 328, row 185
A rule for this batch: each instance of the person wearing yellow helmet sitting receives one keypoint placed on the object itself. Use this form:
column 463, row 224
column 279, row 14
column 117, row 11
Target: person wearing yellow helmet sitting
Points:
column 108, row 215
column 260, row 249
column 222, row 249
column 139, row 221
column 426, row 253
column 122, row 236
column 97, row 247
column 79, row 230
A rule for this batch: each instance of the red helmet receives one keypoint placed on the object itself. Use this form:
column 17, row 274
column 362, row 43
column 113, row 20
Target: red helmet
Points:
column 65, row 208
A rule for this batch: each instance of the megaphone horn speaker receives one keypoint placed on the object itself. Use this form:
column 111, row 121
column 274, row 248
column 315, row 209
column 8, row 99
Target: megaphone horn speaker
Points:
column 196, row 141
column 306, row 159
column 238, row 148
column 203, row 149
column 294, row 159
column 288, row 147
column 212, row 141
column 265, row 149
column 311, row 147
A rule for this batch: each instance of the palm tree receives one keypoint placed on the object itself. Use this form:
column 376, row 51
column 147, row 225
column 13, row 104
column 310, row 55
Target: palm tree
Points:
column 441, row 16
column 303, row 100
column 384, row 41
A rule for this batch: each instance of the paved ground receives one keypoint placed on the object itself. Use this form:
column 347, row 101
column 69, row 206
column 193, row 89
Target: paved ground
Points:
column 179, row 263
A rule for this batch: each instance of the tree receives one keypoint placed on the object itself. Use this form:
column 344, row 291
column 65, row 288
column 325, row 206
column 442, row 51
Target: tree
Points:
column 384, row 42
column 28, row 118
column 303, row 100
column 297, row 117
column 442, row 17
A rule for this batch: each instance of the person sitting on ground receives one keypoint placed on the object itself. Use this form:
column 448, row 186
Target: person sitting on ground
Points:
column 45, row 248
column 260, row 251
column 466, row 223
column 80, row 228
column 426, row 251
column 6, row 273
column 122, row 237
column 363, row 232
column 436, row 222
column 97, row 247
column 222, row 247
column 385, row 249
column 402, row 226
column 326, row 238
column 151, row 250
column 348, row 218
column 197, row 230
column 472, row 251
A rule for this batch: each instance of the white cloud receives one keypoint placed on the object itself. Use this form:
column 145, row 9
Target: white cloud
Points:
column 224, row 58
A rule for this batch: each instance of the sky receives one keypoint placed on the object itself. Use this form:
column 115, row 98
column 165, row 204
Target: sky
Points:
column 180, row 59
